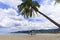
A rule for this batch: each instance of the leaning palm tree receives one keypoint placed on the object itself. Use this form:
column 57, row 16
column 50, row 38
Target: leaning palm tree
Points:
column 28, row 7
column 57, row 1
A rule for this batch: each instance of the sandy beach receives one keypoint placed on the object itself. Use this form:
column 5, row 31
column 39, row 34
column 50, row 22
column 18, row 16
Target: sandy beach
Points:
column 29, row 37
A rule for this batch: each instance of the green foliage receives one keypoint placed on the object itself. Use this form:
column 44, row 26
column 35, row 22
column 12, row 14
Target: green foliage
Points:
column 27, row 7
column 57, row 1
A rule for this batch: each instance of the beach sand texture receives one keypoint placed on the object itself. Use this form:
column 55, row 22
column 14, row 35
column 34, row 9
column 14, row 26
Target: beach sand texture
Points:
column 29, row 37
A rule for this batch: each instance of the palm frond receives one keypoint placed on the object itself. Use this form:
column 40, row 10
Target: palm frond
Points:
column 27, row 7
column 57, row 1
column 35, row 3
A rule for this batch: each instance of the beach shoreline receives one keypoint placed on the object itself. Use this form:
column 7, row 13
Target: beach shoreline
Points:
column 29, row 37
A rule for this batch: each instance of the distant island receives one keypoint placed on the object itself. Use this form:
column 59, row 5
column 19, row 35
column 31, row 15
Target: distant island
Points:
column 40, row 31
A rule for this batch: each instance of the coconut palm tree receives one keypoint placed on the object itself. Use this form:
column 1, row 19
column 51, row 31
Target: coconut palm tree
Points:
column 28, row 7
column 57, row 1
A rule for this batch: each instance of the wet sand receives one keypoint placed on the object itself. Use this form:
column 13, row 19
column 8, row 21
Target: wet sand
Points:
column 29, row 37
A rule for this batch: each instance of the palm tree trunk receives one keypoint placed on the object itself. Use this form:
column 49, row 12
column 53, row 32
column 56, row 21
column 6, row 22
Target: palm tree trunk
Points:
column 50, row 19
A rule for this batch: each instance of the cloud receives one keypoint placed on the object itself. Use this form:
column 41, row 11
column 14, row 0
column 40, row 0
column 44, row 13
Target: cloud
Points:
column 9, row 21
column 53, row 11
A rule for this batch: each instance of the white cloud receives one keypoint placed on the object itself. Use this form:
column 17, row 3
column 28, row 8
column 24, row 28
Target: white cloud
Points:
column 53, row 11
column 11, row 22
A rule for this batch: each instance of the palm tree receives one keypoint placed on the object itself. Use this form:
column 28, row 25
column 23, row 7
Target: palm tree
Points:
column 28, row 7
column 57, row 1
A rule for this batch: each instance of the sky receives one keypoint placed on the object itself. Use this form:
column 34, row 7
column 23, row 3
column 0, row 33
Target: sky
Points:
column 11, row 22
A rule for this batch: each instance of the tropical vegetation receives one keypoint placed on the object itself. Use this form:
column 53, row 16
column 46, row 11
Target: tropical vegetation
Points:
column 28, row 7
